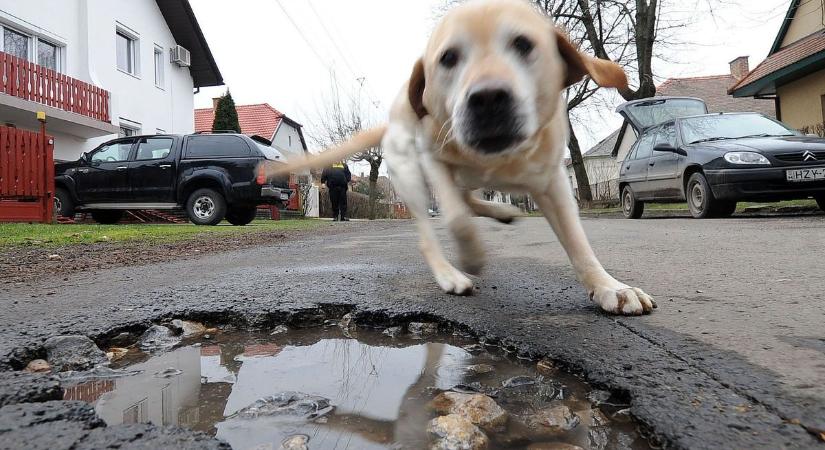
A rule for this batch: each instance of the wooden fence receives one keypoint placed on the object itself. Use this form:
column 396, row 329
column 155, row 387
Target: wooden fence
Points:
column 26, row 176
column 29, row 81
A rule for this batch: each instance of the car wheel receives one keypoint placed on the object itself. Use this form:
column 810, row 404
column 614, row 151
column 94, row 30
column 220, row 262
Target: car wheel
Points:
column 700, row 198
column 631, row 208
column 107, row 216
column 63, row 203
column 724, row 209
column 206, row 207
column 821, row 202
column 241, row 216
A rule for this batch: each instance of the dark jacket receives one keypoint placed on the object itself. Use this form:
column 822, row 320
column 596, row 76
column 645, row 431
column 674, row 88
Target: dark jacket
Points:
column 336, row 176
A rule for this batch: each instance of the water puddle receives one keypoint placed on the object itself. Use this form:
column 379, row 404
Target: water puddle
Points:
column 328, row 388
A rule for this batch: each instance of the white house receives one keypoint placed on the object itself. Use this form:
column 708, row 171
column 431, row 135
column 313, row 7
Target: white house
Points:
column 101, row 68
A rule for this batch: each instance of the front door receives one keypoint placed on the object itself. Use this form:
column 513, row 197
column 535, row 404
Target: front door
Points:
column 663, row 167
column 152, row 172
column 104, row 177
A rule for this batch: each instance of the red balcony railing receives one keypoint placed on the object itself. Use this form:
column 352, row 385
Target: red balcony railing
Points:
column 30, row 81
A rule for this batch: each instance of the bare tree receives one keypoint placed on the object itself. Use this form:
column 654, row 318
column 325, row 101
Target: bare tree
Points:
column 337, row 120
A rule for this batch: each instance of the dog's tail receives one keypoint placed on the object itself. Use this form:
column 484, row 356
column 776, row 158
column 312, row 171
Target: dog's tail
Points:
column 358, row 143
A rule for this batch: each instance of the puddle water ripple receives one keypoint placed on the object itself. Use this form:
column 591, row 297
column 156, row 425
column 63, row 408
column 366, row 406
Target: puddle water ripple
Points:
column 370, row 391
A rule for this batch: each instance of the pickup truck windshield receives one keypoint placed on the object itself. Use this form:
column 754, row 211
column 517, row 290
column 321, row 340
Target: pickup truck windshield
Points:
column 270, row 153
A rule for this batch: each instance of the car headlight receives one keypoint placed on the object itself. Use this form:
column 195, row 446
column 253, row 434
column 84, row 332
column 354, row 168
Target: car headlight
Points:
column 747, row 158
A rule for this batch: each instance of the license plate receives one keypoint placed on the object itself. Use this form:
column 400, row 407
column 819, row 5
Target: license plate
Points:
column 799, row 175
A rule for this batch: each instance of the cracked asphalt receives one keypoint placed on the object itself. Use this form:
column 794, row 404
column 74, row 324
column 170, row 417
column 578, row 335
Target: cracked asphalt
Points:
column 733, row 358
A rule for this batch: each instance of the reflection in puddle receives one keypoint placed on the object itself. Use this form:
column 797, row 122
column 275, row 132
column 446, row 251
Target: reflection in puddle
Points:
column 255, row 390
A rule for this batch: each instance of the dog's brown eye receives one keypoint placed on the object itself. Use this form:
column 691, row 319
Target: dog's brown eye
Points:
column 449, row 58
column 523, row 45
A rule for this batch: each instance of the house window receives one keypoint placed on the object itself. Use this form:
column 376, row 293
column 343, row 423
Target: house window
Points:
column 15, row 43
column 31, row 48
column 159, row 66
column 127, row 60
column 128, row 128
column 47, row 54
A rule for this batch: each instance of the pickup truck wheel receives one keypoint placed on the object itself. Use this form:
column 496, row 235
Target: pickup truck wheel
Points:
column 241, row 216
column 206, row 207
column 107, row 216
column 63, row 204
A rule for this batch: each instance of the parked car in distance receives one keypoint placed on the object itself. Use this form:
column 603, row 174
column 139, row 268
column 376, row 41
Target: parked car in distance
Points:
column 211, row 176
column 713, row 161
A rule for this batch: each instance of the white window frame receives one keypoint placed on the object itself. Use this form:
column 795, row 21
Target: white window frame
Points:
column 134, row 40
column 160, row 69
column 130, row 125
column 33, row 41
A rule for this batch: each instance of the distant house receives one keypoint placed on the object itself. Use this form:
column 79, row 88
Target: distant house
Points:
column 602, row 161
column 263, row 121
column 101, row 69
column 793, row 74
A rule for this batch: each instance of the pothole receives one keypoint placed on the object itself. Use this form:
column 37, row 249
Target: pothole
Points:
column 336, row 387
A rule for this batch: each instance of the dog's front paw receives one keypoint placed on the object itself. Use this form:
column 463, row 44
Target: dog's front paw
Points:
column 623, row 300
column 454, row 282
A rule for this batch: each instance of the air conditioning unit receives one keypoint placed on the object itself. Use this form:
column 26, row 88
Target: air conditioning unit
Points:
column 181, row 56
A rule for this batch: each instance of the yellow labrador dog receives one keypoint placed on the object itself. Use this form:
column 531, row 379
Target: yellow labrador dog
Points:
column 484, row 109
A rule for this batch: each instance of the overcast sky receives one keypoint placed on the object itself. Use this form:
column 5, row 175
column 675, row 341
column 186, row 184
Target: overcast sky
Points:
column 265, row 59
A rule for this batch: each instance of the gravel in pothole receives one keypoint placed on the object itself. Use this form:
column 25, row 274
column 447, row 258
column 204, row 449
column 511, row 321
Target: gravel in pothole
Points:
column 344, row 387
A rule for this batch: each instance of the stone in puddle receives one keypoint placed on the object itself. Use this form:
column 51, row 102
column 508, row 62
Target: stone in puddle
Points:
column 73, row 353
column 189, row 329
column 346, row 322
column 479, row 409
column 473, row 348
column 475, row 388
column 480, row 369
column 393, row 331
column 296, row 442
column 288, row 403
column 453, row 432
column 553, row 446
column 598, row 396
column 115, row 353
column 38, row 366
column 158, row 338
column 422, row 328
column 518, row 381
column 168, row 372
column 123, row 340
column 546, row 367
column 97, row 373
column 555, row 419
column 279, row 330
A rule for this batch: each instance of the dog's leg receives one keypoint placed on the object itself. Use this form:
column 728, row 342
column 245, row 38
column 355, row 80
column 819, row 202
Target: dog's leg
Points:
column 502, row 212
column 457, row 214
column 560, row 209
column 410, row 184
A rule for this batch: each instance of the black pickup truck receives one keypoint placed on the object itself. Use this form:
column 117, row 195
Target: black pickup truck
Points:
column 211, row 176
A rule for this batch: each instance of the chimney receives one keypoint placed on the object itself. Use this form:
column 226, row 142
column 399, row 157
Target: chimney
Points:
column 215, row 100
column 739, row 68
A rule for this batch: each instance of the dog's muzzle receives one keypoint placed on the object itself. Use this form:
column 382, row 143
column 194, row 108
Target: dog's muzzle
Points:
column 491, row 122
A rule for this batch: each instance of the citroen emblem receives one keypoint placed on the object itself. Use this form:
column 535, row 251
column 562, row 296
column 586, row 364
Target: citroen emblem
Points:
column 808, row 156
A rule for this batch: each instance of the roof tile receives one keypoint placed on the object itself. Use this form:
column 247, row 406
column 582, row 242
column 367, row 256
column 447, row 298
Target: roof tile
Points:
column 256, row 120
column 785, row 57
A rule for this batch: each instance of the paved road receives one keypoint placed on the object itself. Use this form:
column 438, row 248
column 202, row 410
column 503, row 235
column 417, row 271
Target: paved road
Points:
column 733, row 358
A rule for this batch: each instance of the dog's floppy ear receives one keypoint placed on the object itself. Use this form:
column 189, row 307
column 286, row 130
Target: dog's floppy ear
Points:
column 604, row 73
column 415, row 90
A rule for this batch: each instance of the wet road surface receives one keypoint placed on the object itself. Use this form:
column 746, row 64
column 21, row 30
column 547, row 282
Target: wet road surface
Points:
column 733, row 357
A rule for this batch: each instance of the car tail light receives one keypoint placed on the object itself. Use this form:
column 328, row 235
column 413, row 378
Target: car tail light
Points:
column 261, row 175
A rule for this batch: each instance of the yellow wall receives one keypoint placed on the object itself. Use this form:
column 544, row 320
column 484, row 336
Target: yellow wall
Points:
column 801, row 100
column 808, row 19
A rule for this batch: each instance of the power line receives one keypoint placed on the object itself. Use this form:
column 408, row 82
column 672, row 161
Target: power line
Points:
column 303, row 36
column 359, row 77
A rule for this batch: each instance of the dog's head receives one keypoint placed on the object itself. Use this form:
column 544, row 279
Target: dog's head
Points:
column 494, row 70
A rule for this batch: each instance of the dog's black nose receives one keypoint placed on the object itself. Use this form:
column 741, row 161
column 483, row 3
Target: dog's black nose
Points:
column 490, row 100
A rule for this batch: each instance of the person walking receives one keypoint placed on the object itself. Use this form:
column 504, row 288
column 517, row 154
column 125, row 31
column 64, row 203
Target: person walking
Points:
column 337, row 178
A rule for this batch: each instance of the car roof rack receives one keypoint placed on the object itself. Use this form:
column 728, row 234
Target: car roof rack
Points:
column 217, row 132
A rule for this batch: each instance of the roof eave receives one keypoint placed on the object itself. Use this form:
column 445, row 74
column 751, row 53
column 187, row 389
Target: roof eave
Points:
column 783, row 30
column 214, row 77
column 767, row 84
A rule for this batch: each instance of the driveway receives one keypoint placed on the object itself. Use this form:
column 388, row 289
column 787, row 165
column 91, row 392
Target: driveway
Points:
column 733, row 357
